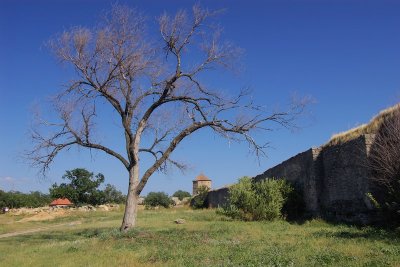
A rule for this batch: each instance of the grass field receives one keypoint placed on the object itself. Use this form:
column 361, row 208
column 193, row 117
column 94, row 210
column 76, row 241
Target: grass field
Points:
column 206, row 239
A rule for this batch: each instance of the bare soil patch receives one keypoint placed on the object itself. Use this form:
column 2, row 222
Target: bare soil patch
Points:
column 39, row 229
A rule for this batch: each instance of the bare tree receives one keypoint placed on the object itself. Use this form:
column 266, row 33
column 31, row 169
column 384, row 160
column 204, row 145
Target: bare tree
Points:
column 155, row 90
column 384, row 163
column 384, row 159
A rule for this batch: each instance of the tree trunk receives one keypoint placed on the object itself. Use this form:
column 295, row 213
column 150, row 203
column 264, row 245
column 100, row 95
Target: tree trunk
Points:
column 132, row 199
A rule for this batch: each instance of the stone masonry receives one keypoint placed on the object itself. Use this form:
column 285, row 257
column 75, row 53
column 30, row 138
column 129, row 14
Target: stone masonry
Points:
column 334, row 180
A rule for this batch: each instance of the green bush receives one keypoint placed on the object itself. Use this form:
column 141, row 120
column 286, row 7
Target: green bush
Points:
column 180, row 194
column 199, row 201
column 157, row 199
column 112, row 195
column 255, row 201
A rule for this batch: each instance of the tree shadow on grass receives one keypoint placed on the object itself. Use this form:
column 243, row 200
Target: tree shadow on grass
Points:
column 53, row 235
column 387, row 236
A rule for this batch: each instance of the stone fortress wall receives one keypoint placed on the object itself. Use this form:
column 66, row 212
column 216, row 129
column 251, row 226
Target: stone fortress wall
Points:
column 334, row 180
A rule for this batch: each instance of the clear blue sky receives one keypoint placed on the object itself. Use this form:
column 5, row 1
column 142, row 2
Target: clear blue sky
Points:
column 346, row 54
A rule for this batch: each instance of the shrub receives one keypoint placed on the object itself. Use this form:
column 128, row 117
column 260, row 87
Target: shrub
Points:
column 199, row 201
column 157, row 199
column 180, row 194
column 254, row 201
column 113, row 195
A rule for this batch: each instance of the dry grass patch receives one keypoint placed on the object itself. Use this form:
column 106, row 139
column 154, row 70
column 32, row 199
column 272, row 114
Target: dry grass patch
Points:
column 368, row 128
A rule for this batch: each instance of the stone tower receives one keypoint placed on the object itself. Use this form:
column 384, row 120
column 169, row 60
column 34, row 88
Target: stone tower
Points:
column 201, row 180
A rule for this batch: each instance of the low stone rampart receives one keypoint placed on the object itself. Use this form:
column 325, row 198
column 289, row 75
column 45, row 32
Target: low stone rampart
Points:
column 302, row 171
column 345, row 181
column 217, row 197
column 334, row 180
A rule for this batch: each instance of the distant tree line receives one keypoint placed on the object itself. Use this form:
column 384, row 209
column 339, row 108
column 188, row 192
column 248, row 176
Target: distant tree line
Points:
column 15, row 199
column 81, row 188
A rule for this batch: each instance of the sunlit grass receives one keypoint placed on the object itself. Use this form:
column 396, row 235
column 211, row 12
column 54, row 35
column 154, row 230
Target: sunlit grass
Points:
column 206, row 239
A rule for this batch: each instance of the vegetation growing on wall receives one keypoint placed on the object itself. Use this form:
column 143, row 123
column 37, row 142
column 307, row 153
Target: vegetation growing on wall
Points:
column 372, row 127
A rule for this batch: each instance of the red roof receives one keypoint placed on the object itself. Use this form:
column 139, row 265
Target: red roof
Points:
column 61, row 201
column 202, row 177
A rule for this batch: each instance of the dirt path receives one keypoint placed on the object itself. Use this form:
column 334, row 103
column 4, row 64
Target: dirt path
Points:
column 39, row 229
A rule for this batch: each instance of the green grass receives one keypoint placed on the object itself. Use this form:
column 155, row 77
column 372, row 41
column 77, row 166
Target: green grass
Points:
column 206, row 239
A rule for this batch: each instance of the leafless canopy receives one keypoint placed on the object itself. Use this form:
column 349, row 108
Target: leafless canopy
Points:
column 153, row 86
column 384, row 158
